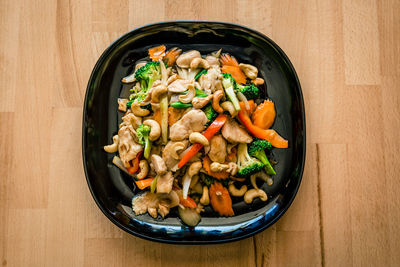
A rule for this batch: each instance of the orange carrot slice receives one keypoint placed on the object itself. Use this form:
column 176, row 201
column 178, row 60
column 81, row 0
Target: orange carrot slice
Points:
column 220, row 200
column 264, row 115
column 227, row 60
column 157, row 53
column 142, row 184
column 172, row 55
column 236, row 73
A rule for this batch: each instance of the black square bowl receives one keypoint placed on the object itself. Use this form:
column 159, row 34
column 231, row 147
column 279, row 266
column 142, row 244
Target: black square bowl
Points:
column 113, row 190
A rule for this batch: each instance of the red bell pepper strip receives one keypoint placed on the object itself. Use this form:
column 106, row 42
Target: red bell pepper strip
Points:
column 188, row 202
column 215, row 126
column 270, row 135
column 135, row 164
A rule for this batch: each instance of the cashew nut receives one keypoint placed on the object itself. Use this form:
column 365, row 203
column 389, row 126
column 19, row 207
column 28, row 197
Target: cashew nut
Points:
column 138, row 111
column 196, row 137
column 216, row 98
column 218, row 167
column 199, row 63
column 172, row 78
column 122, row 104
column 194, row 180
column 176, row 148
column 205, row 198
column 237, row 192
column 200, row 102
column 228, row 106
column 144, row 169
column 254, row 193
column 249, row 70
column 155, row 131
column 189, row 96
column 194, row 168
column 185, row 59
column 157, row 92
column 261, row 175
column 114, row 146
column 233, row 168
column 258, row 81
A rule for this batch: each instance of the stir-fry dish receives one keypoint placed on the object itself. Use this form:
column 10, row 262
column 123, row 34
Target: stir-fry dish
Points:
column 195, row 132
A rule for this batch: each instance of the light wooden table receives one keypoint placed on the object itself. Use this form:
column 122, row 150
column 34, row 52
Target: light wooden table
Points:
column 347, row 55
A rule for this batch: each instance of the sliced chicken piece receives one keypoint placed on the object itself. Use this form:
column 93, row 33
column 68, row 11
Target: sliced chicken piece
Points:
column 217, row 151
column 141, row 203
column 179, row 86
column 193, row 121
column 131, row 119
column 158, row 164
column 127, row 147
column 165, row 182
column 235, row 133
column 208, row 81
column 154, row 204
column 213, row 60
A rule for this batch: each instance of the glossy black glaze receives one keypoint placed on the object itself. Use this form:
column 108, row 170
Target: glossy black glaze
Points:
column 112, row 190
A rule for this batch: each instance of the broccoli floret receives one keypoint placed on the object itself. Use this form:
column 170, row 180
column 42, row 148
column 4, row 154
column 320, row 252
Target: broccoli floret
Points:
column 143, row 132
column 147, row 74
column 247, row 165
column 257, row 149
column 250, row 91
column 229, row 85
column 129, row 104
column 211, row 114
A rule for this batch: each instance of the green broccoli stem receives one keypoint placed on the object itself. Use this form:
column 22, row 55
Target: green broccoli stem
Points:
column 232, row 97
column 147, row 147
column 151, row 81
column 263, row 158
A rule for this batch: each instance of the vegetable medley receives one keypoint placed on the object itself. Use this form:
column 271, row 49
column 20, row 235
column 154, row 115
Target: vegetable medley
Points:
column 194, row 133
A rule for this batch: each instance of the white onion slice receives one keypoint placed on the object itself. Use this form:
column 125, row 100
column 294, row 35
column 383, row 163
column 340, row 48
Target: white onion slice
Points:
column 243, row 98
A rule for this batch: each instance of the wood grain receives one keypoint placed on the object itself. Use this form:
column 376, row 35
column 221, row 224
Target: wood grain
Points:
column 347, row 55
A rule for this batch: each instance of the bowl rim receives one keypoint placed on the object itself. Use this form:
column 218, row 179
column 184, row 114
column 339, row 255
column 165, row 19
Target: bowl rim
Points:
column 274, row 218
